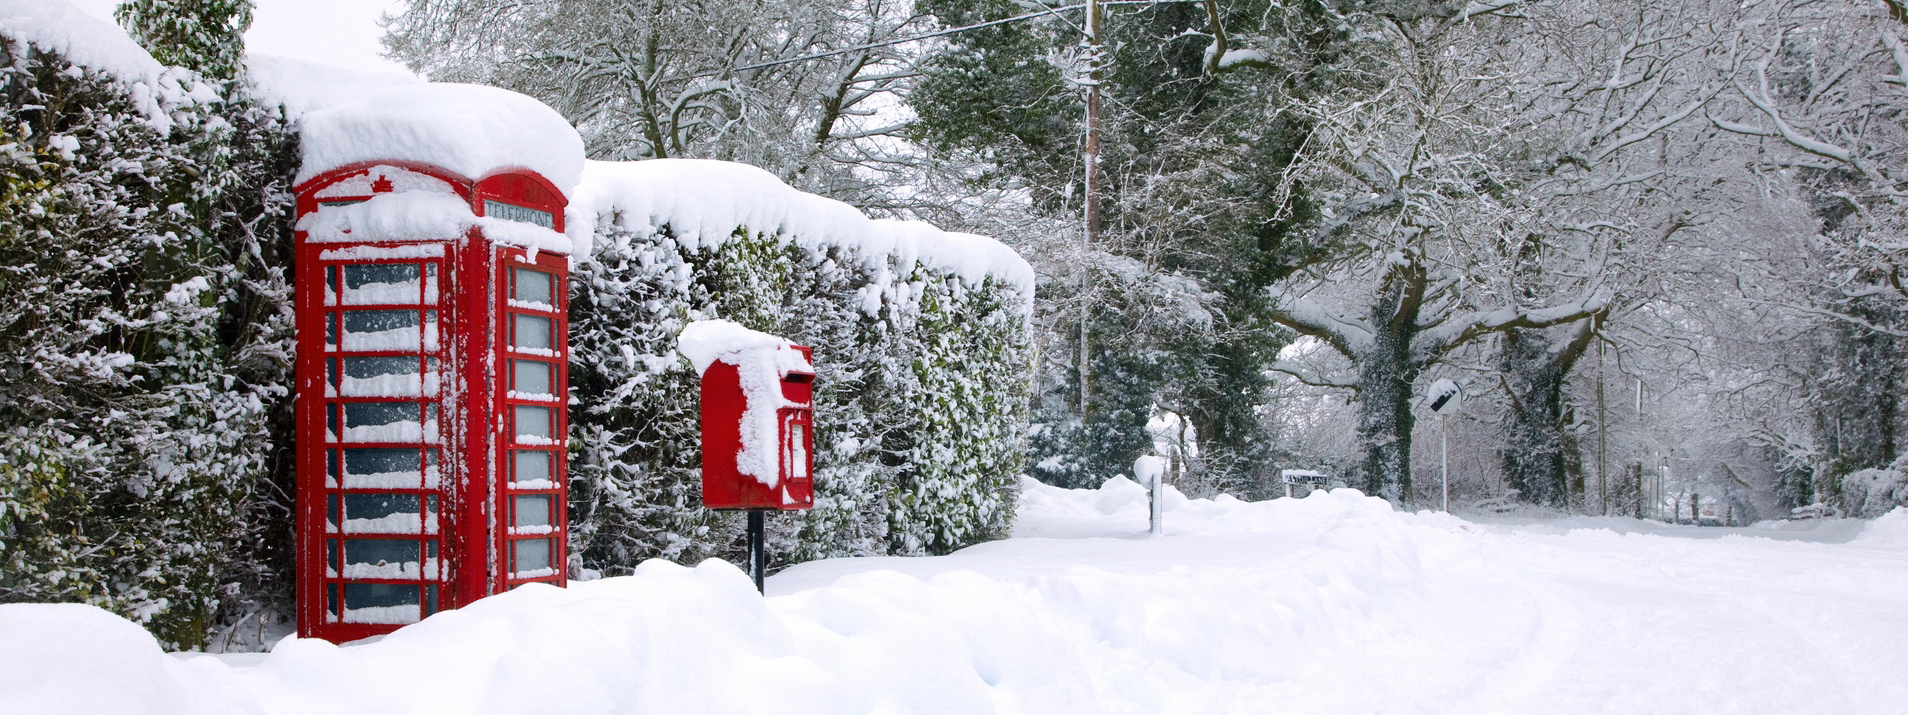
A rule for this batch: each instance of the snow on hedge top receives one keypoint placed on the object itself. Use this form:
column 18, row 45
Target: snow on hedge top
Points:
column 93, row 44
column 703, row 203
column 469, row 129
column 57, row 26
column 303, row 86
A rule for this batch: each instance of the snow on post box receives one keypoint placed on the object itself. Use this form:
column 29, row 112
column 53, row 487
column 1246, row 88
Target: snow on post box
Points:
column 431, row 380
column 757, row 417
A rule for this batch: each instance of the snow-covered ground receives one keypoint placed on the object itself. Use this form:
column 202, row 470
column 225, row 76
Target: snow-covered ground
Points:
column 1328, row 604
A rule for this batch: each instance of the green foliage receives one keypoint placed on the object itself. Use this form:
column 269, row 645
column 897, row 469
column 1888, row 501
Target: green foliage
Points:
column 143, row 355
column 207, row 36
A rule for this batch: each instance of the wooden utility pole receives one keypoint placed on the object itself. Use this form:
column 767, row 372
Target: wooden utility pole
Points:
column 1090, row 156
column 1603, row 430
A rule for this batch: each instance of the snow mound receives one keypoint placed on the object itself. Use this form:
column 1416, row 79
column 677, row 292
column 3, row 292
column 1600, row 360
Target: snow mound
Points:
column 703, row 203
column 468, row 129
column 72, row 658
column 1295, row 603
column 1888, row 531
column 57, row 26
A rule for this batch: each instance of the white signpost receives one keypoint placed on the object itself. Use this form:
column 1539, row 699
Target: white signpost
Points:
column 1302, row 476
column 1443, row 396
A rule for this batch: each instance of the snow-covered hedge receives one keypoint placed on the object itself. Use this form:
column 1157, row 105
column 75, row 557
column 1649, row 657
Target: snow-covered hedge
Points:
column 1870, row 493
column 143, row 327
column 920, row 341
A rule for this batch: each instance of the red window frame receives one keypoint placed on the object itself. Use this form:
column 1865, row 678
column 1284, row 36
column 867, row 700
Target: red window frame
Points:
column 509, row 535
column 326, row 489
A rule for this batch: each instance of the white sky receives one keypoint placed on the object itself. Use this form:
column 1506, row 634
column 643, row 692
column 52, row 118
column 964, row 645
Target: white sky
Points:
column 338, row 32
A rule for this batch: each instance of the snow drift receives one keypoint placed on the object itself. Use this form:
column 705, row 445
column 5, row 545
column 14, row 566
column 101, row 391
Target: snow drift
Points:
column 1333, row 603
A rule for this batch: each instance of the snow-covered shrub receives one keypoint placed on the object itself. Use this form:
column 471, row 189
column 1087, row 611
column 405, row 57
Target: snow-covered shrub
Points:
column 920, row 394
column 1870, row 493
column 142, row 331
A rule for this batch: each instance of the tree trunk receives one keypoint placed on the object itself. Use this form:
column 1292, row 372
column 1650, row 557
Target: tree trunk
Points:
column 1384, row 418
column 1533, row 456
column 1533, row 368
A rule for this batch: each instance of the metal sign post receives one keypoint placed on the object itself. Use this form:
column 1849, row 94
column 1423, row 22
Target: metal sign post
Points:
column 1443, row 396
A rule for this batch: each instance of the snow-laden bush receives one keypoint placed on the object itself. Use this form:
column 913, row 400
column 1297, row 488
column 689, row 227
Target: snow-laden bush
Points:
column 1870, row 493
column 920, row 402
column 143, row 332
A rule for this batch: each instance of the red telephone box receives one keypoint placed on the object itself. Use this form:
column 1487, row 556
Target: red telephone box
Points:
column 777, row 473
column 431, row 393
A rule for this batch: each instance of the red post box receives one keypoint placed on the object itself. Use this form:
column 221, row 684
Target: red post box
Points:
column 758, row 434
column 431, row 392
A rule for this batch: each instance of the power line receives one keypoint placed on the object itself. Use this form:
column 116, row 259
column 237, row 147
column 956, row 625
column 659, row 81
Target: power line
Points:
column 956, row 30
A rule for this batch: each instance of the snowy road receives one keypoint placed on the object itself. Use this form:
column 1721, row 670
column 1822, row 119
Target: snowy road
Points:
column 1331, row 604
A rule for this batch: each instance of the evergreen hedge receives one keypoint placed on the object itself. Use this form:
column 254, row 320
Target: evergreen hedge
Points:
column 920, row 397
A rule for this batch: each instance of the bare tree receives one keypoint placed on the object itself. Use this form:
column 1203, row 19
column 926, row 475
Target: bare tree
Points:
column 695, row 79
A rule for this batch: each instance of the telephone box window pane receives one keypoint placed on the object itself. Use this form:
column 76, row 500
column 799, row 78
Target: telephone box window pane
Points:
column 531, row 332
column 534, row 287
column 331, row 557
column 382, row 514
column 532, row 557
column 331, row 511
column 389, row 283
column 532, row 377
column 390, row 603
column 390, row 330
column 430, row 600
column 385, row 377
column 533, row 424
column 331, row 600
column 531, row 511
column 531, row 466
column 382, row 422
column 383, row 468
column 381, row 558
column 378, row 321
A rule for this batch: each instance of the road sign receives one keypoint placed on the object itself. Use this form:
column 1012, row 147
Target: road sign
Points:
column 1443, row 397
column 1303, row 476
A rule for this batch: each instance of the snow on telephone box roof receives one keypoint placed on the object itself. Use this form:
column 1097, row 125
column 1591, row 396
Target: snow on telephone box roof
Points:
column 469, row 129
column 474, row 131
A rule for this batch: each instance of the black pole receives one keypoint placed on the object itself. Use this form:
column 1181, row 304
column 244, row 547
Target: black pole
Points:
column 758, row 556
